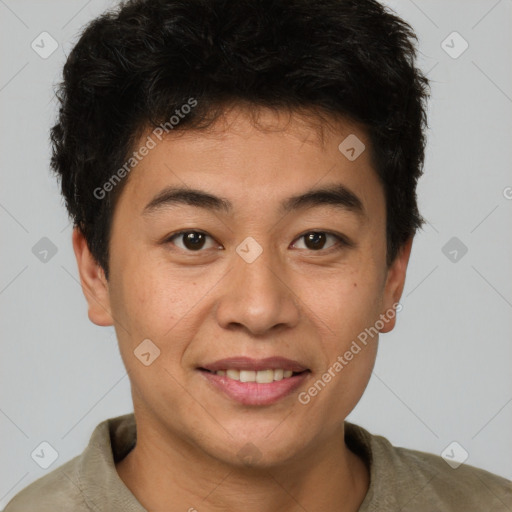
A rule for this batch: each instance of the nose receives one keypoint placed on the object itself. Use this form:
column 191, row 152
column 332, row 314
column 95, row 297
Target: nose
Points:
column 257, row 297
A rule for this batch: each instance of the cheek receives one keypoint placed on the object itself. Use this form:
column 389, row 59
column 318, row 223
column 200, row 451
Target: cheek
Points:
column 345, row 305
column 345, row 312
column 152, row 304
column 145, row 293
column 167, row 305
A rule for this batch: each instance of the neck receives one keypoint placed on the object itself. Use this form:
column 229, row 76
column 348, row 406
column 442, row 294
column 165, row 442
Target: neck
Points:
column 327, row 477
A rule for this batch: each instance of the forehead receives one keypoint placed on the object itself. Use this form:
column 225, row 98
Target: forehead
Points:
column 255, row 160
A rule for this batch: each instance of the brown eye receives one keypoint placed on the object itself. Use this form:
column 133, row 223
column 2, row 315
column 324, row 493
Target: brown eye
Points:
column 316, row 241
column 191, row 240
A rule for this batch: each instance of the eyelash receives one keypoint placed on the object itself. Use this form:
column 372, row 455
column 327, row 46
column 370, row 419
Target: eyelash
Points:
column 342, row 242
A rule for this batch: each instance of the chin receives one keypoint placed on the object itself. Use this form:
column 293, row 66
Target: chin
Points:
column 259, row 451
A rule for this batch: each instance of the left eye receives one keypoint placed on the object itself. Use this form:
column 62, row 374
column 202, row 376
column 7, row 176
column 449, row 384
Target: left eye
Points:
column 315, row 240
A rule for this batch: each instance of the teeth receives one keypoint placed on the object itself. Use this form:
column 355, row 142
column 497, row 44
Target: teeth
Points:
column 265, row 376
column 232, row 374
column 247, row 376
column 260, row 376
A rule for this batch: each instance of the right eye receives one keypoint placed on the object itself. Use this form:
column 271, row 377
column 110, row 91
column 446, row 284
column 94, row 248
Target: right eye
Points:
column 191, row 240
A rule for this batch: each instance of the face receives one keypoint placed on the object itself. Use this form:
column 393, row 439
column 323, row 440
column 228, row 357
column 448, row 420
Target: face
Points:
column 249, row 280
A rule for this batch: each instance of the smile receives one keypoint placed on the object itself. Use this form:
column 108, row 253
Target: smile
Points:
column 260, row 376
column 250, row 387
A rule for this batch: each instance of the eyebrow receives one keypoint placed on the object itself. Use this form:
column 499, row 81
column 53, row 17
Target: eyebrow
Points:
column 336, row 195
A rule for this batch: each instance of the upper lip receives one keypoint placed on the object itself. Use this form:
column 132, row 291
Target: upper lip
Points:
column 247, row 363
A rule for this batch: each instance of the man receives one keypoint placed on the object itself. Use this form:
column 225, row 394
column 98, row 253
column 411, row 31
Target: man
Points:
column 242, row 177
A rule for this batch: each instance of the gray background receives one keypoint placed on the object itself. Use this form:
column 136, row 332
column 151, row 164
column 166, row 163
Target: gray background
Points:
column 443, row 375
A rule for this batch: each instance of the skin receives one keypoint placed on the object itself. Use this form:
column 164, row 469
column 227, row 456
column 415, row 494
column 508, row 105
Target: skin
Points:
column 293, row 301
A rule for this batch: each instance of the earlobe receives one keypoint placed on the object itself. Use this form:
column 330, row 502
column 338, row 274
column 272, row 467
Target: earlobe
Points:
column 394, row 286
column 93, row 281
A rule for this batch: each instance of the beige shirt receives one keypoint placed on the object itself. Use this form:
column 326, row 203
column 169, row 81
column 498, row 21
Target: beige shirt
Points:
column 400, row 479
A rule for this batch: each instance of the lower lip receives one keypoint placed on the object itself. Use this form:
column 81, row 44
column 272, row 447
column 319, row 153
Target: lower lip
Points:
column 254, row 393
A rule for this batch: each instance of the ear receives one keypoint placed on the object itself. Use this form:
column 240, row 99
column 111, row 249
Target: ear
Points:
column 93, row 281
column 394, row 286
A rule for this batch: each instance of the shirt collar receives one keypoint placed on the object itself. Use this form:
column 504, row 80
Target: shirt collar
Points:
column 103, row 489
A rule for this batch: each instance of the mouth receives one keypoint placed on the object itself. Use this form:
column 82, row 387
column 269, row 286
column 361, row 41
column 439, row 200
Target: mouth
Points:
column 266, row 376
column 255, row 382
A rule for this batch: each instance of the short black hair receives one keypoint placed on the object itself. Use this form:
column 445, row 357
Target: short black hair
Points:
column 136, row 65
